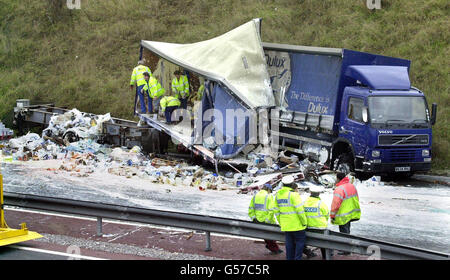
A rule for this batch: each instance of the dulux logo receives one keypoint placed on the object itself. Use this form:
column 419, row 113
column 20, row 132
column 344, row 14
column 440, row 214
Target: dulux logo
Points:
column 275, row 61
column 317, row 108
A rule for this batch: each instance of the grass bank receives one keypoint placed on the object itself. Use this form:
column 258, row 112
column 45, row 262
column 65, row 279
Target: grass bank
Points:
column 83, row 57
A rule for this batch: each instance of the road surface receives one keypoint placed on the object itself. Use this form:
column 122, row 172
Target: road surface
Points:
column 408, row 212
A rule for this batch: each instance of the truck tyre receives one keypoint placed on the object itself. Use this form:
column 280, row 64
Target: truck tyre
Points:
column 344, row 164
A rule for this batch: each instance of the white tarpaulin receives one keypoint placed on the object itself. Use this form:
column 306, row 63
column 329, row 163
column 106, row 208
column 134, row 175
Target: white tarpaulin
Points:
column 235, row 58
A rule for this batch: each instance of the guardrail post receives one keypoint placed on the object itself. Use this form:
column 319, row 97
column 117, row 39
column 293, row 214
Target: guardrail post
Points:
column 99, row 226
column 327, row 251
column 208, row 241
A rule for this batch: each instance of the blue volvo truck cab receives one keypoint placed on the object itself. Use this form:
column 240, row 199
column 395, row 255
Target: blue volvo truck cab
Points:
column 384, row 130
column 355, row 111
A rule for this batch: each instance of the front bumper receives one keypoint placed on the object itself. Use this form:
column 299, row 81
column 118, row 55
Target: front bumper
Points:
column 390, row 167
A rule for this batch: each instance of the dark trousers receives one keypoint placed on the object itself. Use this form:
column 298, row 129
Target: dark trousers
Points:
column 150, row 103
column 323, row 251
column 272, row 245
column 345, row 228
column 142, row 99
column 168, row 113
column 295, row 242
column 183, row 103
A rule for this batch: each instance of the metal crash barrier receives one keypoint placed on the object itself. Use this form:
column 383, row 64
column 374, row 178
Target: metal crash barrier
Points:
column 328, row 239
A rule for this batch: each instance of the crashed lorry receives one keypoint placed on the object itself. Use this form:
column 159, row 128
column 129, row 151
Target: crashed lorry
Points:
column 354, row 111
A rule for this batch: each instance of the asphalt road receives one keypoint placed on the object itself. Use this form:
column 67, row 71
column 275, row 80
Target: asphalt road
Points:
column 408, row 212
column 66, row 235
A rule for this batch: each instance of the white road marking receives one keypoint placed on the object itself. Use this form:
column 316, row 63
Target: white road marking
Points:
column 72, row 256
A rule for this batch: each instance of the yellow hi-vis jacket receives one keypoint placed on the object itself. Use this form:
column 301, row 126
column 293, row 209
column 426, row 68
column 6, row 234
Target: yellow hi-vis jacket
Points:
column 169, row 101
column 316, row 213
column 138, row 75
column 180, row 87
column 288, row 209
column 260, row 207
column 200, row 91
column 154, row 88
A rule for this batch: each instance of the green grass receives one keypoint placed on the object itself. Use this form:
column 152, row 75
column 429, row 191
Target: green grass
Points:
column 83, row 58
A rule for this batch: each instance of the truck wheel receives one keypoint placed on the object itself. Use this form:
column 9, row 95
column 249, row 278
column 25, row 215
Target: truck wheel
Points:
column 344, row 164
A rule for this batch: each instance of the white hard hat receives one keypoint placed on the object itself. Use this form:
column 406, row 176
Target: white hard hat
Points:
column 288, row 180
column 316, row 189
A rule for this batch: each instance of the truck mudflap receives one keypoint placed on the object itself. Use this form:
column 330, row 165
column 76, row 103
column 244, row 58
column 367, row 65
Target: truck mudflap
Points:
column 372, row 167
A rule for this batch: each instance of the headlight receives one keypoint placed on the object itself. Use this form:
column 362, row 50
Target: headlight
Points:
column 425, row 153
column 375, row 153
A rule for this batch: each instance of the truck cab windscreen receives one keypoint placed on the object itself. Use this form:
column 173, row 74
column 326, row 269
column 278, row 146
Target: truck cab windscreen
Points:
column 398, row 111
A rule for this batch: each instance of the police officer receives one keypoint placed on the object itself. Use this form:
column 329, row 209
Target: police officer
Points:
column 137, row 78
column 180, row 88
column 154, row 91
column 260, row 211
column 168, row 105
column 317, row 212
column 288, row 209
column 145, row 91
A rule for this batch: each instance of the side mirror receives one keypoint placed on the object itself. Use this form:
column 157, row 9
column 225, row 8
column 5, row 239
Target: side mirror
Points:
column 365, row 114
column 433, row 113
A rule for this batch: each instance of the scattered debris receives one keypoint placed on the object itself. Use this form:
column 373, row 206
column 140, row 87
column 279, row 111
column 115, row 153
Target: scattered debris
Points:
column 189, row 236
column 72, row 139
column 374, row 181
column 375, row 202
column 328, row 179
column 288, row 160
column 399, row 198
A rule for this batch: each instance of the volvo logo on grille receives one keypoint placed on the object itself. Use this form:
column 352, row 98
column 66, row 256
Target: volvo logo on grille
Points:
column 393, row 139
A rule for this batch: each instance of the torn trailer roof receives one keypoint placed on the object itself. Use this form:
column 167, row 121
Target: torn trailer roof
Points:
column 236, row 79
column 234, row 59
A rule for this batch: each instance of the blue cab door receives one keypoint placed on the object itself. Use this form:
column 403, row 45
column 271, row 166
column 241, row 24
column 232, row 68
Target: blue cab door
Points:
column 352, row 126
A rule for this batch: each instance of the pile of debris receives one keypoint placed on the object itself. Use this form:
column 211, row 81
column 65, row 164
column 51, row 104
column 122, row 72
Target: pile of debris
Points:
column 86, row 156
column 31, row 146
column 72, row 139
column 73, row 126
